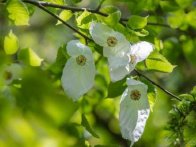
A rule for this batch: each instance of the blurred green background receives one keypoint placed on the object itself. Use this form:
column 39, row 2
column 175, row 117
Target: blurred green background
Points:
column 34, row 110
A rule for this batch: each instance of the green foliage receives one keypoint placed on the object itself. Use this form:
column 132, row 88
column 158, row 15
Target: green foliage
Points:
column 11, row 43
column 87, row 126
column 65, row 15
column 137, row 22
column 29, row 57
column 116, row 89
column 158, row 62
column 182, row 122
column 35, row 111
column 18, row 12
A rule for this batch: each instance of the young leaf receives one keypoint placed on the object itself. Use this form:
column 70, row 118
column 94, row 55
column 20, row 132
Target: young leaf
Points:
column 158, row 62
column 116, row 89
column 137, row 22
column 18, row 12
column 62, row 56
column 11, row 43
column 28, row 56
column 87, row 126
column 65, row 15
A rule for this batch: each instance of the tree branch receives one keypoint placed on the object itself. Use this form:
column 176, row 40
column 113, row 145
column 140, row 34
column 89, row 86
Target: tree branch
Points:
column 38, row 4
column 75, row 9
column 41, row 6
column 163, row 89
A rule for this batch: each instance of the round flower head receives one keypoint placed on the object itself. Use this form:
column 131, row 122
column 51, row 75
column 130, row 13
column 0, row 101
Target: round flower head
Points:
column 113, row 43
column 79, row 71
column 134, row 110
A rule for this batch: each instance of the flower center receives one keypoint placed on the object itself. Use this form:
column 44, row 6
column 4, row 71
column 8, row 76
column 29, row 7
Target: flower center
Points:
column 7, row 75
column 135, row 95
column 112, row 41
column 133, row 58
column 81, row 60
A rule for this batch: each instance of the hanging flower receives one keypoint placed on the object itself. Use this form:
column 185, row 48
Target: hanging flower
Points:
column 113, row 43
column 122, row 65
column 134, row 110
column 79, row 71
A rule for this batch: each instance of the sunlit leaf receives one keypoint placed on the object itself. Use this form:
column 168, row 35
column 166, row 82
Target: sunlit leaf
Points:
column 137, row 22
column 11, row 43
column 18, row 12
column 158, row 62
column 87, row 126
column 65, row 15
column 28, row 56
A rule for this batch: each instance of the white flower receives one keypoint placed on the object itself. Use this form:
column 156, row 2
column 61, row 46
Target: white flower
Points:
column 122, row 65
column 113, row 43
column 134, row 110
column 79, row 71
column 140, row 51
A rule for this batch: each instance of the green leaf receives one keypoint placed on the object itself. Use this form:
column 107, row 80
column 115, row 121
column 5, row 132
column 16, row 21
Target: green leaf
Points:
column 84, row 19
column 116, row 89
column 109, row 9
column 28, row 56
column 62, row 56
column 11, row 43
column 176, row 19
column 169, row 5
column 158, row 62
column 191, row 18
column 113, row 19
column 193, row 92
column 142, row 33
column 137, row 22
column 87, row 126
column 18, row 12
column 184, row 3
column 65, row 15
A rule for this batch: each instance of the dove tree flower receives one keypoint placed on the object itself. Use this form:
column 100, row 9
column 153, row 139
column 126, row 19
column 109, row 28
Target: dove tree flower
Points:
column 134, row 110
column 113, row 43
column 79, row 71
column 122, row 65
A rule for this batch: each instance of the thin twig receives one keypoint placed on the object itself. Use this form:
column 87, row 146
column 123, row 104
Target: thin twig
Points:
column 75, row 9
column 163, row 89
column 41, row 4
column 58, row 18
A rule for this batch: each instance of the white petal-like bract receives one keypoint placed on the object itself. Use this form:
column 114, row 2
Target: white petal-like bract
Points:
column 141, row 50
column 113, row 43
column 134, row 110
column 79, row 71
column 119, row 67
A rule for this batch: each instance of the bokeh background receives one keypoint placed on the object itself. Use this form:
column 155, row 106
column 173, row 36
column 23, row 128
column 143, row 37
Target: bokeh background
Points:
column 34, row 110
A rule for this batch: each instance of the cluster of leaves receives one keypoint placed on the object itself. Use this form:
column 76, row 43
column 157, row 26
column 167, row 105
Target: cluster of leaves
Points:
column 135, row 28
column 182, row 121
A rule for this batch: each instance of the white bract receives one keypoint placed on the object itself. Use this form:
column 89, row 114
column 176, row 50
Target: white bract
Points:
column 113, row 43
column 79, row 71
column 122, row 65
column 134, row 110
